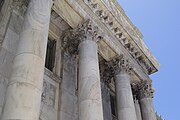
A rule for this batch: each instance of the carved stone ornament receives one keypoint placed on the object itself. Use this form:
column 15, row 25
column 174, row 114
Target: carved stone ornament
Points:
column 106, row 74
column 135, row 91
column 20, row 6
column 114, row 67
column 120, row 64
column 73, row 37
column 145, row 89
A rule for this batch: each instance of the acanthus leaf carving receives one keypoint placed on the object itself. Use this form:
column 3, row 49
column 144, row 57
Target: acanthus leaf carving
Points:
column 145, row 89
column 120, row 64
column 73, row 37
column 114, row 67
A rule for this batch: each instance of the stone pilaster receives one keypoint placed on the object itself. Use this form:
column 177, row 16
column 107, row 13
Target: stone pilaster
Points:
column 82, row 40
column 125, row 104
column 24, row 91
column 146, row 100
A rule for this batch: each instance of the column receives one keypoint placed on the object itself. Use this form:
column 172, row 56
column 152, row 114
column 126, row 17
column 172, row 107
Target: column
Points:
column 135, row 92
column 84, row 38
column 138, row 109
column 24, row 91
column 125, row 104
column 146, row 100
column 89, row 88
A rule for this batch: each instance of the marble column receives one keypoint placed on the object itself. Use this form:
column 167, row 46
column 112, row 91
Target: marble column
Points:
column 146, row 100
column 24, row 91
column 89, row 88
column 124, row 97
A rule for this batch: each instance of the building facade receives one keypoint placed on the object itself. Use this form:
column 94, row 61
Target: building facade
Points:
column 73, row 60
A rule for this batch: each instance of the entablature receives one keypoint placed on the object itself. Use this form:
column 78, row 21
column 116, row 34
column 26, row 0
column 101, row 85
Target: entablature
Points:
column 116, row 39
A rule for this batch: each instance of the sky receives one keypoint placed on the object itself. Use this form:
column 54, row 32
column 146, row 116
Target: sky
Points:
column 159, row 21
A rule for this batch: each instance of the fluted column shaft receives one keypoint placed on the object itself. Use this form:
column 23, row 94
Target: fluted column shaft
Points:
column 24, row 91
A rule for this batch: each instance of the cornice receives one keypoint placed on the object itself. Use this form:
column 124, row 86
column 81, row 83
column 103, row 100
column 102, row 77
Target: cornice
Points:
column 109, row 46
column 127, row 34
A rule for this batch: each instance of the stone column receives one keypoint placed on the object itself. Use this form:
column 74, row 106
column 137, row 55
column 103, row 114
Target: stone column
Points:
column 138, row 109
column 146, row 100
column 135, row 92
column 24, row 91
column 89, row 87
column 125, row 104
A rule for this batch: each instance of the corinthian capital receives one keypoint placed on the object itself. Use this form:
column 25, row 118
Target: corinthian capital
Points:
column 145, row 89
column 135, row 91
column 73, row 37
column 120, row 64
column 87, row 31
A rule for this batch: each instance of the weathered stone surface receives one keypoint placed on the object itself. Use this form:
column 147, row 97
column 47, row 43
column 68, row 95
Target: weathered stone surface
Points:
column 107, row 115
column 147, row 109
column 68, row 98
column 6, row 59
column 67, row 13
column 50, row 96
column 89, row 89
column 25, row 86
column 3, row 87
column 125, row 104
column 138, row 110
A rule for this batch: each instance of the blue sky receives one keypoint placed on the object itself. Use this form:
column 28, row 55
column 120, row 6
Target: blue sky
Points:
column 159, row 21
